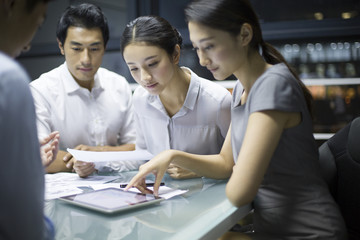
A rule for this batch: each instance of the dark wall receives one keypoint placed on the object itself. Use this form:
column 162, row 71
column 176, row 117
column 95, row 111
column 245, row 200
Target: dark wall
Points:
column 284, row 24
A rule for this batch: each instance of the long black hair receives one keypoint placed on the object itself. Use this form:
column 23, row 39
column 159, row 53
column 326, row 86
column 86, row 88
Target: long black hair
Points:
column 153, row 31
column 229, row 16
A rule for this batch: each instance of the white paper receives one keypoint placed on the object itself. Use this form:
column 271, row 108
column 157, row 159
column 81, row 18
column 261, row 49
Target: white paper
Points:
column 91, row 156
column 52, row 193
column 64, row 184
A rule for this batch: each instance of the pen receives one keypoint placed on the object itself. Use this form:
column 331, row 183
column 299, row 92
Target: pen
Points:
column 123, row 185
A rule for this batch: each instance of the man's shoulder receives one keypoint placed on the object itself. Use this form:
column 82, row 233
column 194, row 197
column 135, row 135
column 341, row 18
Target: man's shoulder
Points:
column 7, row 63
column 11, row 73
column 113, row 80
column 48, row 78
column 106, row 73
column 10, row 67
column 14, row 88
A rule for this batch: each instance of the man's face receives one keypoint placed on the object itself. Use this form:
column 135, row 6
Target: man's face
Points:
column 23, row 26
column 83, row 50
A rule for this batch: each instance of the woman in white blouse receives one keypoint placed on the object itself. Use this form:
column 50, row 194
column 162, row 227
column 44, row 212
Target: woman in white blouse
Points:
column 174, row 108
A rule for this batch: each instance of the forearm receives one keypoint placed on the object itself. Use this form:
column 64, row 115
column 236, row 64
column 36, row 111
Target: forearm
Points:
column 212, row 166
column 58, row 165
column 124, row 147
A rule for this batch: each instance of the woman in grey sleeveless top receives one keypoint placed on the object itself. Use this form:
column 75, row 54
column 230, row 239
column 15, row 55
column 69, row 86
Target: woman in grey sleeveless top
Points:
column 269, row 153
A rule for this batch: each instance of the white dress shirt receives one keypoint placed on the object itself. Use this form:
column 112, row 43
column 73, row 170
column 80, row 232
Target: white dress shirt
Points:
column 101, row 117
column 199, row 127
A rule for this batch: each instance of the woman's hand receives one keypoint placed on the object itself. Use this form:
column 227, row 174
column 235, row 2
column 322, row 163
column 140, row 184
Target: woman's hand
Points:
column 157, row 166
column 177, row 172
column 49, row 147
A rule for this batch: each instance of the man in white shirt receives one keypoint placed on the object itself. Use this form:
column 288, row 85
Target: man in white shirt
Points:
column 90, row 106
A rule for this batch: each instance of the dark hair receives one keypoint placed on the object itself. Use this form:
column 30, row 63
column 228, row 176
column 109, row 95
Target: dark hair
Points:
column 153, row 30
column 229, row 16
column 30, row 4
column 85, row 15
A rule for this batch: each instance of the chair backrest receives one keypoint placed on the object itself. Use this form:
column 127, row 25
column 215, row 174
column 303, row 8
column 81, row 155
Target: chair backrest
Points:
column 340, row 166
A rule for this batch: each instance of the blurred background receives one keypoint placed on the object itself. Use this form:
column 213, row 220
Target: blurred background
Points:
column 319, row 38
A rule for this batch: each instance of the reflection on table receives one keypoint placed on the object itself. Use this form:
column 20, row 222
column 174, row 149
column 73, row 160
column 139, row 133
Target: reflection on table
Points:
column 203, row 212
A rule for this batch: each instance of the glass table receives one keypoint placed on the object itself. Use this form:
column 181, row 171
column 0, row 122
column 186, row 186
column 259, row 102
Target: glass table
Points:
column 203, row 212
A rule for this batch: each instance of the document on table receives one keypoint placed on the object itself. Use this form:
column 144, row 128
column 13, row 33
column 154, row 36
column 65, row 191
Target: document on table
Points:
column 91, row 156
column 64, row 184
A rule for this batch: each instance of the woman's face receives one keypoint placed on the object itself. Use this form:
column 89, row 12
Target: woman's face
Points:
column 150, row 66
column 217, row 50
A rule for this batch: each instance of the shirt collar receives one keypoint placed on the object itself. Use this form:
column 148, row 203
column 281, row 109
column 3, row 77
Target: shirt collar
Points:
column 193, row 91
column 71, row 85
column 237, row 92
column 154, row 100
column 191, row 96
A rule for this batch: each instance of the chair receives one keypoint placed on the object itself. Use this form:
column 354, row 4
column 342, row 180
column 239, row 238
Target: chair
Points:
column 340, row 166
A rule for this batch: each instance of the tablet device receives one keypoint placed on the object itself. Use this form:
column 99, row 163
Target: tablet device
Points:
column 111, row 200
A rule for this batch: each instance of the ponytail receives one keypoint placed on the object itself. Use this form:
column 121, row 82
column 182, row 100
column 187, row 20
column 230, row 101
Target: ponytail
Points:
column 178, row 37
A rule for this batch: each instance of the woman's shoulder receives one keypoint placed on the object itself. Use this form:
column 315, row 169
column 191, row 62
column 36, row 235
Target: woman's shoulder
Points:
column 280, row 72
column 277, row 88
column 140, row 92
column 277, row 77
column 209, row 87
column 140, row 96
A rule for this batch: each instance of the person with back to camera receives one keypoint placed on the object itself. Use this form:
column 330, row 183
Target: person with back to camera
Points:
column 270, row 139
column 90, row 106
column 22, row 159
column 174, row 108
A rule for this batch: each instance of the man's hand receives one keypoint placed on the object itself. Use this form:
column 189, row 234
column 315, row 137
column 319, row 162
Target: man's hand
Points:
column 49, row 147
column 70, row 160
column 83, row 169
